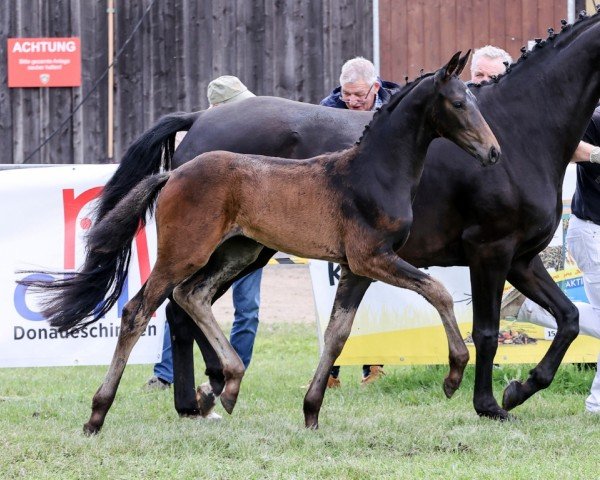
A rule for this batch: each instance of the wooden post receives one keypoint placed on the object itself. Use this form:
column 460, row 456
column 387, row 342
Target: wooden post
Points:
column 110, row 10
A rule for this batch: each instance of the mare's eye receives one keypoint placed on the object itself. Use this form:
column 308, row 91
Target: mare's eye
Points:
column 457, row 104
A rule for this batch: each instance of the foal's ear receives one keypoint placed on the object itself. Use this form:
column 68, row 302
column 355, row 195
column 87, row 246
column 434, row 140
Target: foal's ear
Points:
column 462, row 62
column 447, row 70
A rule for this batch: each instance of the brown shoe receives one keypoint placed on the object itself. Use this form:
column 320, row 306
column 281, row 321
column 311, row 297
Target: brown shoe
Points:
column 333, row 382
column 375, row 373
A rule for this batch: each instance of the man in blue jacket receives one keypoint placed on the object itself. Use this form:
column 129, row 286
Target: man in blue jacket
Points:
column 360, row 87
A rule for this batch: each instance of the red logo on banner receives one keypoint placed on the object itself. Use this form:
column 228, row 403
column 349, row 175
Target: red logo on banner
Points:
column 44, row 62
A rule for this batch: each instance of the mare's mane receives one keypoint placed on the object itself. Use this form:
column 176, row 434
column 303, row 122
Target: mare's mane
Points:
column 538, row 53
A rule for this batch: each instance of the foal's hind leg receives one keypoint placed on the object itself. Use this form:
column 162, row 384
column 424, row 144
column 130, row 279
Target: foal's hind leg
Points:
column 533, row 280
column 136, row 315
column 390, row 268
column 235, row 253
column 196, row 296
column 350, row 292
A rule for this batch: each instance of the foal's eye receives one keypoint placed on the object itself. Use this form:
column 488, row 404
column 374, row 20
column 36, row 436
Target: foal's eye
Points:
column 457, row 104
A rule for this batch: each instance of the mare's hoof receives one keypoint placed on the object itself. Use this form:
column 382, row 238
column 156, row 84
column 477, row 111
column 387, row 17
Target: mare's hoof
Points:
column 206, row 399
column 450, row 386
column 89, row 430
column 311, row 424
column 512, row 395
column 495, row 414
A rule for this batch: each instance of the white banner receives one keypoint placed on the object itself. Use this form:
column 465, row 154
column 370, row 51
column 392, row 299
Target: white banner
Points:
column 44, row 213
column 396, row 326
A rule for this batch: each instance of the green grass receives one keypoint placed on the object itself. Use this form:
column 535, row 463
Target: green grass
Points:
column 400, row 427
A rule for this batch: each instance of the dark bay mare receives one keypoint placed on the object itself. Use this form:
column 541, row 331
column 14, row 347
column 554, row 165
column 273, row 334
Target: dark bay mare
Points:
column 352, row 207
column 495, row 221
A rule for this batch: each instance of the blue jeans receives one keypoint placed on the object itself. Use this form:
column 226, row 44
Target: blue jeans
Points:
column 246, row 302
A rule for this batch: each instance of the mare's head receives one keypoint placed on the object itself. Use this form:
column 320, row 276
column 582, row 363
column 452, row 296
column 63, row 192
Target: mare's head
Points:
column 456, row 116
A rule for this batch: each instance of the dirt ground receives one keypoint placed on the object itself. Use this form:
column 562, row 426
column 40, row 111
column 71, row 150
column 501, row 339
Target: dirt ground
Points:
column 286, row 297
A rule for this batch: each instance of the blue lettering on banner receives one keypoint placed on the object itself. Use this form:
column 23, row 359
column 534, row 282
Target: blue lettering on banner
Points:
column 20, row 297
column 21, row 292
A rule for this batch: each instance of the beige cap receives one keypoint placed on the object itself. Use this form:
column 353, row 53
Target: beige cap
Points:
column 226, row 89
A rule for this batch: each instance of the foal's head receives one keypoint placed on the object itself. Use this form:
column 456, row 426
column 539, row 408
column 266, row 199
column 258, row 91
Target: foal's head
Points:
column 456, row 116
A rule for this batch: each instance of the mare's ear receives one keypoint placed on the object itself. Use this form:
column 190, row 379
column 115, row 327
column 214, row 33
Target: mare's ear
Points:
column 447, row 70
column 462, row 62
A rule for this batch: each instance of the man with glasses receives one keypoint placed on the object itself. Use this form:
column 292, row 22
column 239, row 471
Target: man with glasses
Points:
column 360, row 89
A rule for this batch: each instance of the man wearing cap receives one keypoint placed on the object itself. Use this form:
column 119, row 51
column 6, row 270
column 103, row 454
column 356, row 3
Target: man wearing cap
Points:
column 246, row 290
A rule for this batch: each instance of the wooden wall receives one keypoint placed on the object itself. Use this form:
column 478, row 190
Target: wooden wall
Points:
column 288, row 48
column 423, row 34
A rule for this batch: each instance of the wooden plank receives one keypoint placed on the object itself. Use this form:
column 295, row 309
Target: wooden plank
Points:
column 514, row 32
column 6, row 104
column 545, row 17
column 134, row 83
column 465, row 17
column 529, row 20
column 416, row 38
column 497, row 14
column 385, row 38
column 400, row 47
column 448, row 27
column 432, row 35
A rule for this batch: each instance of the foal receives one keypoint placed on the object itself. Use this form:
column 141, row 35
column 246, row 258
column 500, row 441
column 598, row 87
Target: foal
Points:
column 351, row 207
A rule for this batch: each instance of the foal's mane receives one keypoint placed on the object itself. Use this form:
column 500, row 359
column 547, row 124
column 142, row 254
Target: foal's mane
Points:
column 390, row 106
column 555, row 41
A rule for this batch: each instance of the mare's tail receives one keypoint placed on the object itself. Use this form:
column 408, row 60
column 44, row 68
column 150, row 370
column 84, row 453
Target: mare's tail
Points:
column 81, row 298
column 146, row 156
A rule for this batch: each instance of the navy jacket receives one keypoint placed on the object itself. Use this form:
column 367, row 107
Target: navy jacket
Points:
column 385, row 92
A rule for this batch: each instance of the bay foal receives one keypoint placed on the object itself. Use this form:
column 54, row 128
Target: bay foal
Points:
column 351, row 207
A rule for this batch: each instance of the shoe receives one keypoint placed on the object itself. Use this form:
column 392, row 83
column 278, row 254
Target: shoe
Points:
column 375, row 373
column 511, row 303
column 212, row 415
column 156, row 383
column 333, row 382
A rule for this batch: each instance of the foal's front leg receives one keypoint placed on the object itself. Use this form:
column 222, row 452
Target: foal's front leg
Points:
column 388, row 267
column 136, row 315
column 348, row 296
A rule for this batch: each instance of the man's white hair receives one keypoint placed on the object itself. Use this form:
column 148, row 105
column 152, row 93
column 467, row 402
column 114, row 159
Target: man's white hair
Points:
column 358, row 69
column 491, row 52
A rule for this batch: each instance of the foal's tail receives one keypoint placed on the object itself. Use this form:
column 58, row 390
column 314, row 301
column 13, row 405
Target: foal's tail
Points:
column 83, row 297
column 146, row 156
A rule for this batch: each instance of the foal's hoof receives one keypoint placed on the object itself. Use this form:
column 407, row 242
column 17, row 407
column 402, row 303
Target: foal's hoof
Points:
column 512, row 395
column 205, row 398
column 450, row 386
column 89, row 429
column 228, row 401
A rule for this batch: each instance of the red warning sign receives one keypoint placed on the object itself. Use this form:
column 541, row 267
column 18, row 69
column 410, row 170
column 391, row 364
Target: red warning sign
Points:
column 44, row 62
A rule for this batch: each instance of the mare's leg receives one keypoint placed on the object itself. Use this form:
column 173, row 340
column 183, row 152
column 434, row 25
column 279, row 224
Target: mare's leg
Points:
column 533, row 280
column 390, row 268
column 136, row 315
column 183, row 333
column 350, row 292
column 196, row 296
